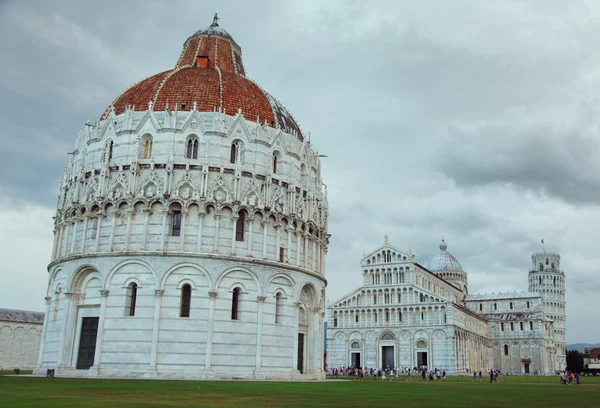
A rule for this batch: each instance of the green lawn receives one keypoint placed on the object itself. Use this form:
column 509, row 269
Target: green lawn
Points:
column 56, row 392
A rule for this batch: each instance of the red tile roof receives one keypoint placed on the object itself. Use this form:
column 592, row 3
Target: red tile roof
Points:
column 187, row 84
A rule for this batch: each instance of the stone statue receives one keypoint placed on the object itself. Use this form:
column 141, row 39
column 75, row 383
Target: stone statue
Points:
column 185, row 193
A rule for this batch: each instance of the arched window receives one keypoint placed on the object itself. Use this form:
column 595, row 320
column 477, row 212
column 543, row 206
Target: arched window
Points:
column 130, row 299
column 192, row 149
column 233, row 153
column 374, row 299
column 274, row 163
column 528, row 304
column 239, row 226
column 480, row 307
column 511, row 305
column 176, row 222
column 541, row 267
column 547, row 262
column 281, row 254
column 279, row 307
column 387, row 316
column 521, row 325
column 146, row 151
column 400, row 316
column 506, row 349
column 335, row 324
column 540, row 280
column 530, row 325
column 186, row 300
column 235, row 304
column 495, row 306
column 554, row 281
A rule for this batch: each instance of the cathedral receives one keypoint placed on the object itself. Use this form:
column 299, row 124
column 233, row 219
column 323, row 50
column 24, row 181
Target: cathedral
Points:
column 407, row 315
column 191, row 232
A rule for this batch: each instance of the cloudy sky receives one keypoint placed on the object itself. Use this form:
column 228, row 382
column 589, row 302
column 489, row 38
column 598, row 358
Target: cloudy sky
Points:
column 477, row 121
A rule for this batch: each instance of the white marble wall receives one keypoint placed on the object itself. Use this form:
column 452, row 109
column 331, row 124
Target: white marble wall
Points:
column 19, row 345
column 157, row 342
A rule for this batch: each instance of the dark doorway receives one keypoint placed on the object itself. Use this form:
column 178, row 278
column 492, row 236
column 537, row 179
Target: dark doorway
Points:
column 526, row 368
column 422, row 358
column 355, row 359
column 301, row 352
column 87, row 342
column 387, row 357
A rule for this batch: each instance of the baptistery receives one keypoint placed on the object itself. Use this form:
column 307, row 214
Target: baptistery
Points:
column 191, row 232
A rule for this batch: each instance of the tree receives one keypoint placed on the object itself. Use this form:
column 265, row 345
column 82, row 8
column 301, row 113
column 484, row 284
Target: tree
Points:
column 574, row 360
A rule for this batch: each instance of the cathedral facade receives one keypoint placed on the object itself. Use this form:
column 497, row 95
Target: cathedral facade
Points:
column 406, row 315
column 191, row 232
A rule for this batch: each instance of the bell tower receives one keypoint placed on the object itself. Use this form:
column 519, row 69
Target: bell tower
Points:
column 548, row 280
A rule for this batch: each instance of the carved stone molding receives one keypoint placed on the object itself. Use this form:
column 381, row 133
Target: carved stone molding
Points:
column 212, row 294
column 48, row 299
column 104, row 292
column 159, row 292
column 261, row 299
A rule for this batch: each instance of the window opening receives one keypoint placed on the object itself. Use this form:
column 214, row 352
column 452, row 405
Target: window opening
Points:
column 239, row 226
column 131, row 299
column 186, row 299
column 235, row 303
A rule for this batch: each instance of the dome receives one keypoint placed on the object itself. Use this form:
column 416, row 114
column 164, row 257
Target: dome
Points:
column 444, row 261
column 208, row 76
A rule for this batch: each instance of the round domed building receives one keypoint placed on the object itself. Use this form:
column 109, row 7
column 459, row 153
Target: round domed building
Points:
column 445, row 265
column 191, row 232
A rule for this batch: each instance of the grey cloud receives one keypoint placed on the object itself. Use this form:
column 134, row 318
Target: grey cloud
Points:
column 547, row 160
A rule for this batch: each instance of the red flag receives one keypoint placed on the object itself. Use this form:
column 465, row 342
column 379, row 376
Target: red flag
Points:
column 542, row 241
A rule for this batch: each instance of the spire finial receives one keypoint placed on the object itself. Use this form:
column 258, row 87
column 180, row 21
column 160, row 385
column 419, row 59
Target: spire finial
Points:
column 215, row 20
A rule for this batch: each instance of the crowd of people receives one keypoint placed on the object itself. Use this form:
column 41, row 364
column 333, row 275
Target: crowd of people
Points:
column 426, row 374
column 390, row 374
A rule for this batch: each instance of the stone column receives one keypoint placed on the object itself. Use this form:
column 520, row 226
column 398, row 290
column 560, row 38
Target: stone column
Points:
column 74, row 232
column 84, row 234
column 314, row 255
column 305, row 236
column 211, row 323
column 101, row 215
column 129, row 214
column 289, row 243
column 156, row 328
column 100, row 336
column 68, row 227
column 163, row 231
column 147, row 214
column 184, row 214
column 277, row 241
column 234, row 219
column 295, row 337
column 57, row 239
column 111, row 242
column 67, row 335
column 216, row 243
column 199, row 241
column 261, row 303
column 250, row 225
column 48, row 300
column 298, row 235
column 265, row 223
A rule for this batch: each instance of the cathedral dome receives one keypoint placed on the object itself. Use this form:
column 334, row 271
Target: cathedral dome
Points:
column 208, row 76
column 444, row 261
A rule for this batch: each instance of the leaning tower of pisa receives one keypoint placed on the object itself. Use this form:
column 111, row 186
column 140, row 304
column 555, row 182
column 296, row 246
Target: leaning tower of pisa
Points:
column 548, row 280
